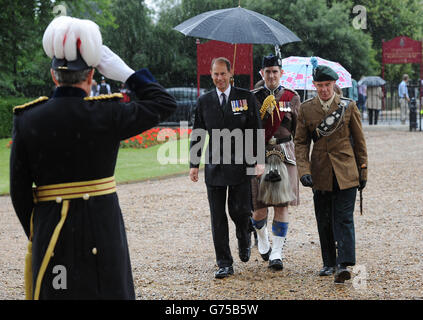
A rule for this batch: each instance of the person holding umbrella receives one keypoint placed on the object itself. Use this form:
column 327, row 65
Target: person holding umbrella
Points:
column 374, row 103
column 278, row 187
column 338, row 165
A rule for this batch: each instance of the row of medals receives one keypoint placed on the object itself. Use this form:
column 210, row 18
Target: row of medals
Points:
column 284, row 106
column 239, row 105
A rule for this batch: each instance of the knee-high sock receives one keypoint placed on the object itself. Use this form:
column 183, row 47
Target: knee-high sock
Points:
column 279, row 231
column 262, row 235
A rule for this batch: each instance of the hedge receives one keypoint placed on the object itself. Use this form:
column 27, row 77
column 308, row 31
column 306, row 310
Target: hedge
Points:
column 6, row 113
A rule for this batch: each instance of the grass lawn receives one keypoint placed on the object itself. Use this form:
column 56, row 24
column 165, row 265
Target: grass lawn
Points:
column 132, row 164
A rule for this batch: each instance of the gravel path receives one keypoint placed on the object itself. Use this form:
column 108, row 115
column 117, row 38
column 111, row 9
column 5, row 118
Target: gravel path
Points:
column 168, row 229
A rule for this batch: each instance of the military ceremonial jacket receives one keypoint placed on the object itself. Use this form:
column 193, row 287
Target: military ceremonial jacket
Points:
column 71, row 138
column 240, row 112
column 343, row 152
column 288, row 125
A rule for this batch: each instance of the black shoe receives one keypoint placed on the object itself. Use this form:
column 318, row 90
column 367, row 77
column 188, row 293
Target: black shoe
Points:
column 244, row 251
column 276, row 264
column 342, row 274
column 224, row 272
column 327, row 271
column 265, row 256
column 244, row 254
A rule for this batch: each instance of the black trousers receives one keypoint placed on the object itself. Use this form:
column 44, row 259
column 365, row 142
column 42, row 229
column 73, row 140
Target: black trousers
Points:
column 335, row 222
column 373, row 115
column 239, row 206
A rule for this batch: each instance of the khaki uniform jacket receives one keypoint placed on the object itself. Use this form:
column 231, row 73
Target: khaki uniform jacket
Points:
column 335, row 153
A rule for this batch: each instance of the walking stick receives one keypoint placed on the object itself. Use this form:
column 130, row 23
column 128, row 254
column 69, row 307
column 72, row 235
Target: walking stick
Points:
column 361, row 202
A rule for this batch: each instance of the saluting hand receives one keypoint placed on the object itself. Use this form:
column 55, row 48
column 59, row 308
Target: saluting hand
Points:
column 113, row 67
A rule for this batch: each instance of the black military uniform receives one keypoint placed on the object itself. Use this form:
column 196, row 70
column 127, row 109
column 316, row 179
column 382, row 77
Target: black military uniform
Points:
column 239, row 112
column 67, row 146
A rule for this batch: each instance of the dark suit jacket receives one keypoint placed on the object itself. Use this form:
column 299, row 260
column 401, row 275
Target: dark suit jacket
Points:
column 210, row 115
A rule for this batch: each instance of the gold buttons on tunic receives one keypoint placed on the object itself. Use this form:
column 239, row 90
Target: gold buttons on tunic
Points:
column 59, row 199
column 86, row 196
column 94, row 251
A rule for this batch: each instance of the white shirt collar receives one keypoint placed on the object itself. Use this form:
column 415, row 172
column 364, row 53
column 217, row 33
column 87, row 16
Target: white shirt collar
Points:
column 227, row 92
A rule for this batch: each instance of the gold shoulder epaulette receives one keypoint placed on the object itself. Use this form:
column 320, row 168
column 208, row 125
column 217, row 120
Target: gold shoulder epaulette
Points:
column 31, row 103
column 105, row 97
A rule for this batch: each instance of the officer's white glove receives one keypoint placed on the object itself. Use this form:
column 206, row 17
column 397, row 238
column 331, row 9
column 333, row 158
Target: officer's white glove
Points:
column 113, row 67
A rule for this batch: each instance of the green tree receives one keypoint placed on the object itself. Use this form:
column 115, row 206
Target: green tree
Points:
column 22, row 24
column 130, row 35
column 326, row 31
column 175, row 54
column 387, row 19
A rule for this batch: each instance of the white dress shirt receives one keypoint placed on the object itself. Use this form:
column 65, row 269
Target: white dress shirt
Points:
column 219, row 94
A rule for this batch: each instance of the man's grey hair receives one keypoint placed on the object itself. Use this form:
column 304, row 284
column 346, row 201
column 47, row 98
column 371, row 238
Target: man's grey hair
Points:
column 405, row 77
column 67, row 78
column 221, row 60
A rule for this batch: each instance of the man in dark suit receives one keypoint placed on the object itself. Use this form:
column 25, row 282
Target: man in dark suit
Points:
column 226, row 111
column 67, row 146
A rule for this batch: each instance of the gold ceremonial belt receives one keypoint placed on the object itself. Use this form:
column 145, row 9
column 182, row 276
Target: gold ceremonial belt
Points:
column 61, row 193
column 74, row 190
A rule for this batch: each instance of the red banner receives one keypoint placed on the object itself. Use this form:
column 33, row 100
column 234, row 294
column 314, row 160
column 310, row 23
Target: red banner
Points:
column 401, row 50
column 214, row 49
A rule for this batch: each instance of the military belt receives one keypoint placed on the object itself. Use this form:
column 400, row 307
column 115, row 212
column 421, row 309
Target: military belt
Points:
column 74, row 190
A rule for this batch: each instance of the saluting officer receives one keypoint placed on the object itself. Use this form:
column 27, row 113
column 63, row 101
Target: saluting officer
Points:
column 67, row 146
column 278, row 187
column 338, row 165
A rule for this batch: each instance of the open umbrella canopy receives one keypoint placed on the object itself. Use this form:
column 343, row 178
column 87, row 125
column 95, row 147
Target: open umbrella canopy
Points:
column 237, row 25
column 298, row 73
column 372, row 81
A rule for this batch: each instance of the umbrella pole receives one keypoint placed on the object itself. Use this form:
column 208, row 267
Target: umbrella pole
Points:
column 305, row 83
column 233, row 68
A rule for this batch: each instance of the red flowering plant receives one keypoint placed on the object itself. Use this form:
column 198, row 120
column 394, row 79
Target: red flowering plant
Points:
column 9, row 144
column 154, row 137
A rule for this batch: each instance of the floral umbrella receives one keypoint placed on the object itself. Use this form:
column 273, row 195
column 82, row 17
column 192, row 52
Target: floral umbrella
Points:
column 297, row 73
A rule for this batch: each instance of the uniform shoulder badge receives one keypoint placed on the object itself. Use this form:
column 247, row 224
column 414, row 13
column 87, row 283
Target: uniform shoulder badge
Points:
column 345, row 102
column 28, row 104
column 103, row 97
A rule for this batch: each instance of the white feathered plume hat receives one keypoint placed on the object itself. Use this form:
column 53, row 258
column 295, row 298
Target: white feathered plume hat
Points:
column 73, row 44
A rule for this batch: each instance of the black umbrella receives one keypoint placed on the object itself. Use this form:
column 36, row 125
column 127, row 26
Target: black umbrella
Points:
column 237, row 25
column 372, row 81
